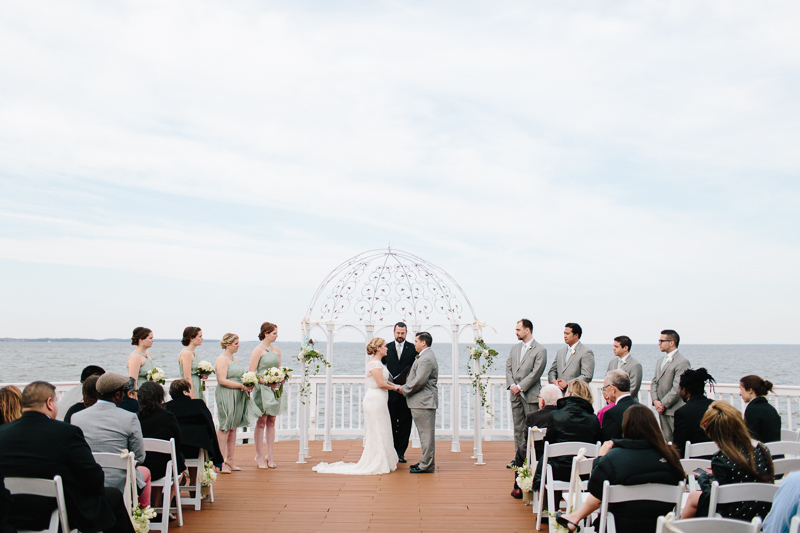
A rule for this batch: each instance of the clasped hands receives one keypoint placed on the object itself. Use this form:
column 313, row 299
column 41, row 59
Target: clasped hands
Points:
column 515, row 390
column 659, row 407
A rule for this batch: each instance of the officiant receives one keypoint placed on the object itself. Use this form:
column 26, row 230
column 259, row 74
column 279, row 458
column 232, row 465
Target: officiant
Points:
column 399, row 357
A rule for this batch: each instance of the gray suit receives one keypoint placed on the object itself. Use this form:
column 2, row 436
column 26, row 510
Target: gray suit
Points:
column 634, row 370
column 109, row 429
column 580, row 365
column 422, row 397
column 665, row 388
column 528, row 377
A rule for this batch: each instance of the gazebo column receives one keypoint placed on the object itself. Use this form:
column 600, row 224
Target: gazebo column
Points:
column 302, row 423
column 455, row 394
column 369, row 330
column 327, row 445
column 477, row 447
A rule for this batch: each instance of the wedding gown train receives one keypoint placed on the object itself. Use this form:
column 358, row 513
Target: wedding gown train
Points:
column 379, row 456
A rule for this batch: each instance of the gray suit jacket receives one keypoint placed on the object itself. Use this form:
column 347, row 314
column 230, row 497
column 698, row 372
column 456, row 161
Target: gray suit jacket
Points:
column 420, row 389
column 109, row 429
column 528, row 375
column 665, row 385
column 634, row 370
column 580, row 366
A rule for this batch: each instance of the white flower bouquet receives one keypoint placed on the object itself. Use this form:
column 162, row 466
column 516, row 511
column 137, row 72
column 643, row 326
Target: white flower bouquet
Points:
column 249, row 379
column 141, row 518
column 205, row 369
column 479, row 383
column 524, row 477
column 207, row 474
column 277, row 375
column 156, row 375
column 311, row 356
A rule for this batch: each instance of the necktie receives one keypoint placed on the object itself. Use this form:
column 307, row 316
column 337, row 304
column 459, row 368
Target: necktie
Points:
column 667, row 360
column 619, row 363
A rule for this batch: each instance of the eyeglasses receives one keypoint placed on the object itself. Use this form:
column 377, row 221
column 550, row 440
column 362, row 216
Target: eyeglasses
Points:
column 663, row 340
column 603, row 389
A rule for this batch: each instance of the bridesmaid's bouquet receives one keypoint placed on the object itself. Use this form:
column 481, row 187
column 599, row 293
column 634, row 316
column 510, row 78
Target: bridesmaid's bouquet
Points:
column 204, row 369
column 249, row 379
column 277, row 374
column 156, row 375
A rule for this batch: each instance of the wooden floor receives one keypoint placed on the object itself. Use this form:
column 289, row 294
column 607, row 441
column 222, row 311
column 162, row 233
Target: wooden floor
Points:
column 459, row 496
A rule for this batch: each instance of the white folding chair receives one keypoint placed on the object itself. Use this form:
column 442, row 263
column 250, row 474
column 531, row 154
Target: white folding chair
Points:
column 710, row 525
column 534, row 434
column 633, row 493
column 127, row 464
column 794, row 527
column 170, row 480
column 583, row 467
column 551, row 485
column 690, row 465
column 700, row 449
column 784, row 466
column 785, row 448
column 739, row 492
column 50, row 488
column 196, row 489
column 790, row 435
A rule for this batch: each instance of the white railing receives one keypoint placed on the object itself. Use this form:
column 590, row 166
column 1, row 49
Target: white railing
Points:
column 348, row 391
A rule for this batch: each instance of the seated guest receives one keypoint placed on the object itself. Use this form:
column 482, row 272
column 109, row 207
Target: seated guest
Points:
column 735, row 462
column 89, row 397
column 110, row 430
column 618, row 388
column 785, row 505
column 572, row 421
column 158, row 423
column 38, row 446
column 75, row 394
column 548, row 397
column 10, row 404
column 762, row 419
column 609, row 404
column 196, row 423
column 687, row 418
column 129, row 402
column 642, row 456
column 5, row 507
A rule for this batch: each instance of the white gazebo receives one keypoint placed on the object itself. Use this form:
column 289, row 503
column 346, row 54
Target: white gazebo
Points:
column 370, row 293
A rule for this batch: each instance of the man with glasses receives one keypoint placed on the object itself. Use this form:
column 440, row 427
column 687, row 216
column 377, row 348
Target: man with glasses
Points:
column 617, row 387
column 665, row 388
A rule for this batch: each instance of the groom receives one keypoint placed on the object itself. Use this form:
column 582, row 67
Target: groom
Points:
column 422, row 397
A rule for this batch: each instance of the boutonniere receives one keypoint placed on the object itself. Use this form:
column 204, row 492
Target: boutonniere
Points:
column 416, row 356
column 572, row 351
column 624, row 363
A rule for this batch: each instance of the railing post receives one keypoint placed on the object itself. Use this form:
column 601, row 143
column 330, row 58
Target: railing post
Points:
column 455, row 395
column 327, row 446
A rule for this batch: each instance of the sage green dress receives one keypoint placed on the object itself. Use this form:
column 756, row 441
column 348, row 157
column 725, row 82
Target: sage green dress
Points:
column 143, row 370
column 232, row 403
column 197, row 383
column 262, row 399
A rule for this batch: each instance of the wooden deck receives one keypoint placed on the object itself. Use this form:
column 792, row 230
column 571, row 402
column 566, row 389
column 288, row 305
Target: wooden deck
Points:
column 459, row 496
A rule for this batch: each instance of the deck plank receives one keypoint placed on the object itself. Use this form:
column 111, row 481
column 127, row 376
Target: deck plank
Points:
column 459, row 496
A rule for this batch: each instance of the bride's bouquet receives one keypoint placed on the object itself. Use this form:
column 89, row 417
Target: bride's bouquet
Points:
column 249, row 379
column 277, row 374
column 156, row 375
column 204, row 369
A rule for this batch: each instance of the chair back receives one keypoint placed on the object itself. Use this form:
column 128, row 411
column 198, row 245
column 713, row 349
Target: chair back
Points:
column 630, row 493
column 170, row 480
column 710, row 525
column 783, row 447
column 700, row 449
column 49, row 488
column 197, row 489
column 534, row 434
column 739, row 492
column 558, row 450
column 784, row 466
column 790, row 435
column 794, row 526
column 126, row 463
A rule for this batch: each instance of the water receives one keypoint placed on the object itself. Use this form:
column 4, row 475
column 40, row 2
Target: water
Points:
column 22, row 362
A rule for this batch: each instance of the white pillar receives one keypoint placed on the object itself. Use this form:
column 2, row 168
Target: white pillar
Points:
column 303, row 417
column 455, row 394
column 478, row 411
column 369, row 334
column 327, row 445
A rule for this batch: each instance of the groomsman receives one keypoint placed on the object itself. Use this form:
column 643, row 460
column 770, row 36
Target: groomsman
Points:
column 400, row 355
column 574, row 361
column 524, row 368
column 625, row 361
column 665, row 388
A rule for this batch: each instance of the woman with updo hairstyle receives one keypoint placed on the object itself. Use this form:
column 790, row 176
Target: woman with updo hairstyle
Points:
column 687, row 419
column 232, row 399
column 140, row 361
column 762, row 419
column 737, row 461
column 10, row 404
column 187, row 359
column 379, row 455
column 264, row 406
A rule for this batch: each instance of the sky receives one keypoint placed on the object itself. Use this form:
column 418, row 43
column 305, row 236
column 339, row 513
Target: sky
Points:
column 631, row 166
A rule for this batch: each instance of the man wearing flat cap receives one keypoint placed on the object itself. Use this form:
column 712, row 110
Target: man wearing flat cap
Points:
column 109, row 429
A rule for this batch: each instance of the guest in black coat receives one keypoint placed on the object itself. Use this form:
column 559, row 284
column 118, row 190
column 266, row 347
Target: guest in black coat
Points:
column 762, row 419
column 5, row 507
column 641, row 457
column 548, row 397
column 89, row 389
column 196, row 423
column 158, row 423
column 688, row 418
column 572, row 421
column 129, row 401
column 400, row 355
column 617, row 387
column 39, row 446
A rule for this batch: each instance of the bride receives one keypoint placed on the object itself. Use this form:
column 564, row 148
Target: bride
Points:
column 379, row 456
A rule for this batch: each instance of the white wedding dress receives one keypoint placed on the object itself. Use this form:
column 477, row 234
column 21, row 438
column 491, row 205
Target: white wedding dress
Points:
column 379, row 456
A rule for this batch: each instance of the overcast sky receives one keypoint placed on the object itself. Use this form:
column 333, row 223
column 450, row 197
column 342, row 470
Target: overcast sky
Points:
column 632, row 166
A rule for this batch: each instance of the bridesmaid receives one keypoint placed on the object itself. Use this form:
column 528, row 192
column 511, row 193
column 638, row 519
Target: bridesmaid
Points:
column 231, row 396
column 264, row 404
column 140, row 362
column 187, row 360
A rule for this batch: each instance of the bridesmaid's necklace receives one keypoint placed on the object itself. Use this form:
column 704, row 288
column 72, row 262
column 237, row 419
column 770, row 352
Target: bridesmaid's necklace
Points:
column 140, row 353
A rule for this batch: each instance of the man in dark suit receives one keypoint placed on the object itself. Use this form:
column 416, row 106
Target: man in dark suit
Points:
column 617, row 387
column 548, row 398
column 39, row 446
column 400, row 355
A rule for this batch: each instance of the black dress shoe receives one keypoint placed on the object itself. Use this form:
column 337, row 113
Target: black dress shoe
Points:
column 401, row 459
column 415, row 465
column 418, row 471
column 516, row 493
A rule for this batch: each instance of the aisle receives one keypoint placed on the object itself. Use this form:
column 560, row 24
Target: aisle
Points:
column 292, row 498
